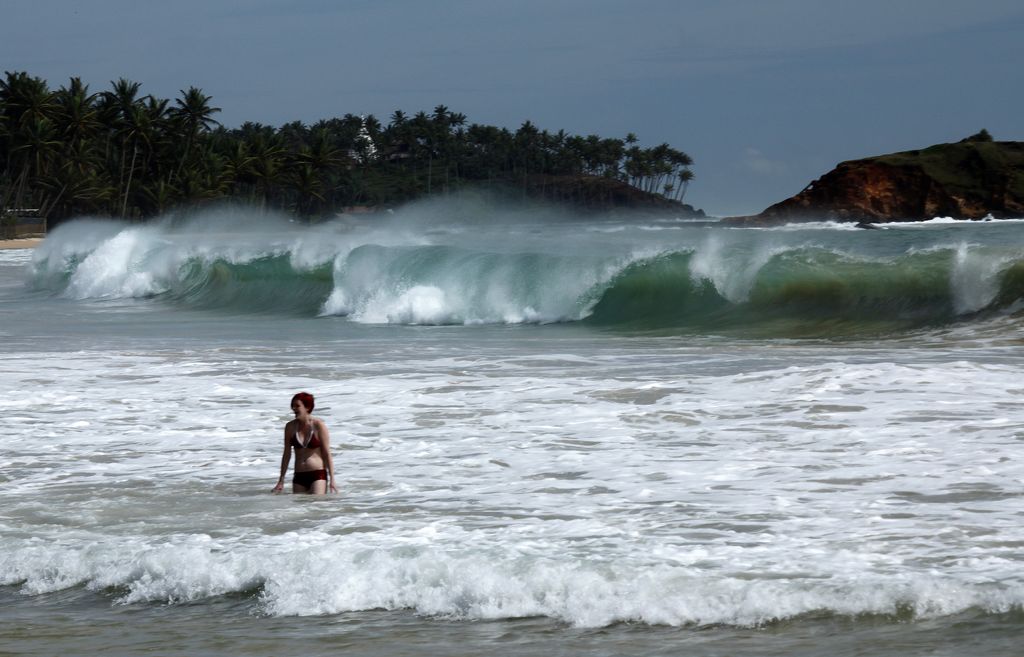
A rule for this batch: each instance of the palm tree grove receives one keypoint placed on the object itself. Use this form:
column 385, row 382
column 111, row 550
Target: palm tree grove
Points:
column 122, row 153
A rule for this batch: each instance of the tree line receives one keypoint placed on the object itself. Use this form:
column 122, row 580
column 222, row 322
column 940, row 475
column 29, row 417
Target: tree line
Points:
column 120, row 153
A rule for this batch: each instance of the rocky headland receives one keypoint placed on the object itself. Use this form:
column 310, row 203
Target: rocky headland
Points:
column 970, row 179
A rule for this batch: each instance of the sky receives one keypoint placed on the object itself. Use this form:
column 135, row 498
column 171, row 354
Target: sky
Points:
column 764, row 95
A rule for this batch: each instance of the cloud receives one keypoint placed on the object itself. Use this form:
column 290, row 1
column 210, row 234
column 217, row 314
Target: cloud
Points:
column 754, row 160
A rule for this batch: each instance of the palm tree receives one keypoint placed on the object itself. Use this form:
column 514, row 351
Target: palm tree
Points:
column 322, row 154
column 195, row 115
column 440, row 116
column 398, row 118
column 527, row 138
column 75, row 187
column 424, row 142
column 159, row 195
column 684, row 176
column 118, row 105
column 28, row 107
column 124, row 154
column 78, row 118
column 35, row 144
column 123, row 95
column 266, row 167
column 25, row 99
column 239, row 165
column 135, row 129
column 74, row 178
column 153, row 135
column 309, row 187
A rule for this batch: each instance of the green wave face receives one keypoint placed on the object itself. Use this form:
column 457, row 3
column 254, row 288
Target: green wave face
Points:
column 788, row 290
column 268, row 284
column 1011, row 286
column 659, row 293
column 141, row 263
column 807, row 292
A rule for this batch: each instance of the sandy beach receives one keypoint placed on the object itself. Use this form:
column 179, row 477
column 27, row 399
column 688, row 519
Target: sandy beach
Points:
column 24, row 243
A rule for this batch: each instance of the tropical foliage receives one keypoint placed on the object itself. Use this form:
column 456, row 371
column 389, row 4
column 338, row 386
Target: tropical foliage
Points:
column 122, row 153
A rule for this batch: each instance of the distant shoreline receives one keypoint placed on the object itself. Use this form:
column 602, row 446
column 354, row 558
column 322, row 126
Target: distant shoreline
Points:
column 23, row 243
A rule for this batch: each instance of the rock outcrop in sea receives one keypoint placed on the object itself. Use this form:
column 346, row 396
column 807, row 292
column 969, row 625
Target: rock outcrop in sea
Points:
column 971, row 179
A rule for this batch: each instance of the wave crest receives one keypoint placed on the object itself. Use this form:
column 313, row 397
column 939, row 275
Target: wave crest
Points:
column 787, row 290
column 325, row 575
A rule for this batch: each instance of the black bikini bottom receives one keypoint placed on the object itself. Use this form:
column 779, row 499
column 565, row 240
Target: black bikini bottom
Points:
column 306, row 479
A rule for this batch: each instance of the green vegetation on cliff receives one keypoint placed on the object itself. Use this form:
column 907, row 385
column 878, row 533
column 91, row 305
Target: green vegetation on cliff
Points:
column 970, row 179
column 124, row 154
column 968, row 167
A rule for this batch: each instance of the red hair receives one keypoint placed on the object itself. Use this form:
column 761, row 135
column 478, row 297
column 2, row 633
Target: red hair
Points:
column 306, row 399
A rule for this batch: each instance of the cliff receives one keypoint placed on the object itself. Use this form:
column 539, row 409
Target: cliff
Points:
column 970, row 179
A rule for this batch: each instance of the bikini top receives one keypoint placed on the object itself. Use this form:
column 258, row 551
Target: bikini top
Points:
column 312, row 443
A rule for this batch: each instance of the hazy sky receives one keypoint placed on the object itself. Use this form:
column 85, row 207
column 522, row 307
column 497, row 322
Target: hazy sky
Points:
column 765, row 95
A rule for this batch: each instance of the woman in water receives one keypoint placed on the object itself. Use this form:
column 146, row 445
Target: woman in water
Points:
column 314, row 467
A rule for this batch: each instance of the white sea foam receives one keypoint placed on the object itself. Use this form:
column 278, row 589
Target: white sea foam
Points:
column 591, row 487
column 820, row 225
column 420, row 304
column 988, row 221
column 856, row 226
column 315, row 574
column 124, row 266
column 395, row 286
column 499, row 472
column 800, row 226
column 15, row 256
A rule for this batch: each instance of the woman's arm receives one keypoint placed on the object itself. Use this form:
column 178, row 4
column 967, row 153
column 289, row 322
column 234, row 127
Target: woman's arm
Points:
column 325, row 453
column 286, row 457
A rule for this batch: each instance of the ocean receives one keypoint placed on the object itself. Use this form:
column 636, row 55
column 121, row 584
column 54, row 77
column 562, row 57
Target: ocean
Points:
column 553, row 435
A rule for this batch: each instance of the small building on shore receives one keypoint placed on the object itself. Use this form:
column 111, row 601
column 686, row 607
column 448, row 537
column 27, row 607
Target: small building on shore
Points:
column 23, row 222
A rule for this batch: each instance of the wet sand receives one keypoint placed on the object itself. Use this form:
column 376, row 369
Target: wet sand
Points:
column 22, row 243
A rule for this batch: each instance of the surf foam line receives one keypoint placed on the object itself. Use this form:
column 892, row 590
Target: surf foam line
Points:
column 786, row 290
column 317, row 574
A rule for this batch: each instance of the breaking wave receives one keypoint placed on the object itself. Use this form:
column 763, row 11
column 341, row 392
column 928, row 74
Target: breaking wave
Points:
column 323, row 575
column 792, row 289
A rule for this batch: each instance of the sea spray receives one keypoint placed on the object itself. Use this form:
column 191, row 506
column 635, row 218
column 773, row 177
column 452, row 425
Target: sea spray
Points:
column 733, row 272
column 386, row 272
column 975, row 278
column 133, row 263
column 447, row 285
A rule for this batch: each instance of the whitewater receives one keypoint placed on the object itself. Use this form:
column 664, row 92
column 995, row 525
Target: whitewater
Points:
column 552, row 435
